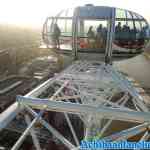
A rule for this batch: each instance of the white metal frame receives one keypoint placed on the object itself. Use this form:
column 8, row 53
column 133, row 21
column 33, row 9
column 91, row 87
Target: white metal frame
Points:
column 84, row 78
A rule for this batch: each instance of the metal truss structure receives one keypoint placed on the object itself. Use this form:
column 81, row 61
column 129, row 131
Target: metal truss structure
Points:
column 98, row 94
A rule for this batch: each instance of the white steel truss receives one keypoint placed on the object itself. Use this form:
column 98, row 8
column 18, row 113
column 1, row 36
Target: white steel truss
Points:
column 96, row 93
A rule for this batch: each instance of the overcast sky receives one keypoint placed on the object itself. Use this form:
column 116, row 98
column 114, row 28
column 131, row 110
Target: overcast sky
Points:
column 34, row 12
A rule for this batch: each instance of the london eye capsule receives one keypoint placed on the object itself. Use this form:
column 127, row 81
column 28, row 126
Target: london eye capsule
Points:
column 97, row 32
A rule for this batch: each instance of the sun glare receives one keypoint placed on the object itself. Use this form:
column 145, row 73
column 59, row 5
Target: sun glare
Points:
column 34, row 12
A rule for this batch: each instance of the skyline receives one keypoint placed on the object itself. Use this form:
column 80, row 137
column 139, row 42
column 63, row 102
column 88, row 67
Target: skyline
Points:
column 34, row 12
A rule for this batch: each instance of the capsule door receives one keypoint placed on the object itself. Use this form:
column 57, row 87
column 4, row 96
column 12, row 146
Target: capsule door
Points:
column 93, row 32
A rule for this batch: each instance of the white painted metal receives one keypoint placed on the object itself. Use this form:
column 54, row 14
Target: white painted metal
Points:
column 51, row 129
column 82, row 108
column 26, row 132
column 95, row 91
column 33, row 134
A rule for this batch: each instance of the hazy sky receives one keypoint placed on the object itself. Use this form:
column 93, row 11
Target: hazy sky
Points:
column 34, row 12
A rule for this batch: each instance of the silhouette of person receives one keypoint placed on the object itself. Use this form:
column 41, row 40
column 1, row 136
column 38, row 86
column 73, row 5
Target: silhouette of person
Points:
column 99, row 29
column 99, row 36
column 56, row 35
column 91, row 36
column 90, row 33
column 118, row 27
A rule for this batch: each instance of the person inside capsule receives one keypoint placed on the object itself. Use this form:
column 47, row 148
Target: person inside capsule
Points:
column 99, row 36
column 91, row 37
column 56, row 35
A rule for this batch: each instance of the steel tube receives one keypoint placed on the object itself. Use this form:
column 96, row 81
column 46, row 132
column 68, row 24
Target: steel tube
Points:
column 26, row 132
column 33, row 133
column 125, row 134
column 82, row 108
column 10, row 113
column 52, row 130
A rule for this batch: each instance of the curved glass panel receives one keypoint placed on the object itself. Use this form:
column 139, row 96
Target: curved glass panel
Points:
column 94, row 12
column 130, row 34
column 92, row 36
column 143, row 23
column 49, row 25
column 130, row 23
column 62, row 34
column 70, row 13
column 121, row 33
column 137, row 26
column 138, row 31
column 47, row 29
column 63, row 14
column 57, row 33
column 62, row 23
column 138, row 16
column 120, row 13
column 134, row 16
column 129, row 16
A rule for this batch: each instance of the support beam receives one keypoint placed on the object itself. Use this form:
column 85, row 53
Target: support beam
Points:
column 26, row 132
column 125, row 134
column 10, row 113
column 126, row 86
column 51, row 129
column 33, row 134
column 73, row 108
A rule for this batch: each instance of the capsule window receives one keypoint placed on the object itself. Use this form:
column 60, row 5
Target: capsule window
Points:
column 134, row 16
column 120, row 13
column 129, row 33
column 92, row 35
column 49, row 25
column 62, row 34
column 128, row 15
column 47, row 31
